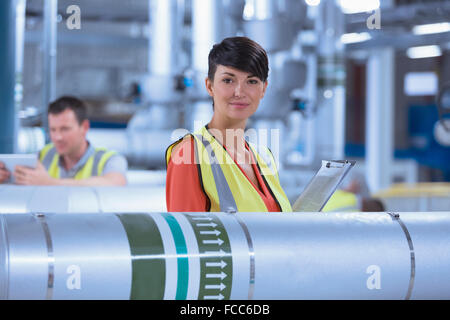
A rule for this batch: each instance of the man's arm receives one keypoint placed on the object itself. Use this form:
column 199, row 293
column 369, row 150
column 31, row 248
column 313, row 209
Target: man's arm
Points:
column 108, row 179
column 114, row 174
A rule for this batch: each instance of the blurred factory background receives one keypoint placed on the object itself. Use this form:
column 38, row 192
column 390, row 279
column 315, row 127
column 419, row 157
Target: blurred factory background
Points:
column 348, row 80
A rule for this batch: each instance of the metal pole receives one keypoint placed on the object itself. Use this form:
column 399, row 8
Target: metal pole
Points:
column 379, row 118
column 207, row 29
column 20, row 44
column 164, row 44
column 380, row 97
column 49, row 56
column 7, row 76
column 331, row 81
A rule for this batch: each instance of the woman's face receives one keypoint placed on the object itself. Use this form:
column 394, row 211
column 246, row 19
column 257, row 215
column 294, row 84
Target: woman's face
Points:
column 236, row 93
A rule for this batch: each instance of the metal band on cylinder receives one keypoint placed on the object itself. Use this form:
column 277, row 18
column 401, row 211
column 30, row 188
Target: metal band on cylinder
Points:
column 396, row 217
column 251, row 253
column 50, row 257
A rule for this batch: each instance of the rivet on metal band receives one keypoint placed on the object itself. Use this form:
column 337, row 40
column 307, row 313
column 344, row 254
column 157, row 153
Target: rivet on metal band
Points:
column 251, row 253
column 396, row 217
column 50, row 255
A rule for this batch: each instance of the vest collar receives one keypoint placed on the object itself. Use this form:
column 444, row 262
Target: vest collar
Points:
column 205, row 130
column 84, row 158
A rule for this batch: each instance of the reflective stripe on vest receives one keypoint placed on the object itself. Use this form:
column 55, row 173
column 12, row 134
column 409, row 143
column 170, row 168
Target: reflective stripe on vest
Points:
column 93, row 167
column 224, row 183
column 226, row 199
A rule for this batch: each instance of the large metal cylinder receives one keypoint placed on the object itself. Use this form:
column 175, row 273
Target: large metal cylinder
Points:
column 225, row 256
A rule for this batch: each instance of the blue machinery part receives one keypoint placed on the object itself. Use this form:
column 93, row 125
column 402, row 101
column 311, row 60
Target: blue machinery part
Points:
column 7, row 76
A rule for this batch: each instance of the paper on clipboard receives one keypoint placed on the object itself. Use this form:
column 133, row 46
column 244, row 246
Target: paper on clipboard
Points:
column 322, row 185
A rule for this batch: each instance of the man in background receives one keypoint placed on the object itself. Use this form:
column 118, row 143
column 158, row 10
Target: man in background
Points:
column 70, row 159
column 354, row 196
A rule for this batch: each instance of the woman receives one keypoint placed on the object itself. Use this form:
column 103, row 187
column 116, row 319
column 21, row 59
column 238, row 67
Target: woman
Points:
column 215, row 169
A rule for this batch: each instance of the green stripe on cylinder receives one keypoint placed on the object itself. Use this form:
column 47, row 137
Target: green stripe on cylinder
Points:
column 182, row 259
column 147, row 251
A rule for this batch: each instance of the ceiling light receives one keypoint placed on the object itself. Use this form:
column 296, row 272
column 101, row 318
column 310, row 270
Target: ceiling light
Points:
column 355, row 37
column 357, row 6
column 431, row 28
column 424, row 52
column 312, row 3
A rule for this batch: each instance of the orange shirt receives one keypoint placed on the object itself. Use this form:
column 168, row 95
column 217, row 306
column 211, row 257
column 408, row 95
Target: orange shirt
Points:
column 184, row 191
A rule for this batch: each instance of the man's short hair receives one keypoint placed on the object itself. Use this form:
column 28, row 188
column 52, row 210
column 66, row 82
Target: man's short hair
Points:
column 67, row 102
column 241, row 53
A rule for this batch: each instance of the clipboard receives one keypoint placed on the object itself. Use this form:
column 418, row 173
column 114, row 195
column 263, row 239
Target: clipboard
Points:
column 322, row 185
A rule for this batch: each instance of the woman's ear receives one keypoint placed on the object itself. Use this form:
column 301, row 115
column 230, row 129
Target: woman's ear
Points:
column 266, row 83
column 209, row 86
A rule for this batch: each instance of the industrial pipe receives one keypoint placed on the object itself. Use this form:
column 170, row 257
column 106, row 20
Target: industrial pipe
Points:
column 49, row 199
column 225, row 256
column 50, row 47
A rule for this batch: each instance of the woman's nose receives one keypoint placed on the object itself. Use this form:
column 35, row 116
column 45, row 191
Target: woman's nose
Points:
column 238, row 90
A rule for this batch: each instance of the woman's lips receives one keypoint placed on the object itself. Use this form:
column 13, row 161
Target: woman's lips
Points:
column 239, row 105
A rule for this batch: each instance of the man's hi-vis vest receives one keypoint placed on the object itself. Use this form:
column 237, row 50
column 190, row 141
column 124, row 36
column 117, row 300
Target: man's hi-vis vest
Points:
column 342, row 201
column 93, row 166
column 224, row 183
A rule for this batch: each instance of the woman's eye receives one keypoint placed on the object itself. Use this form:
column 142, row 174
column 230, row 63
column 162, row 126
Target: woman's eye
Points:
column 227, row 80
column 253, row 81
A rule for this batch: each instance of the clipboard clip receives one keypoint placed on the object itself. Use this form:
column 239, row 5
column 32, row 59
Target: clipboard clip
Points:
column 340, row 163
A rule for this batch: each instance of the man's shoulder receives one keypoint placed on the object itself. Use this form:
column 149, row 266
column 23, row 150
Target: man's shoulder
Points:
column 46, row 151
column 114, row 162
column 110, row 154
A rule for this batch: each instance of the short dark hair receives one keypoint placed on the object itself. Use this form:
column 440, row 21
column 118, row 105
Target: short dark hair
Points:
column 241, row 53
column 67, row 102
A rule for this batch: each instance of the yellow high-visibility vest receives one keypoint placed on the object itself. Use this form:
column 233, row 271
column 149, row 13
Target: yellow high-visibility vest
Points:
column 227, row 188
column 342, row 201
column 93, row 166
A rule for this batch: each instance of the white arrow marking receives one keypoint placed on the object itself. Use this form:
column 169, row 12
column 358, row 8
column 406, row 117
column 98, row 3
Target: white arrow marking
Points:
column 221, row 275
column 220, row 286
column 217, row 241
column 222, row 264
column 219, row 253
column 202, row 218
column 219, row 297
column 215, row 232
column 212, row 224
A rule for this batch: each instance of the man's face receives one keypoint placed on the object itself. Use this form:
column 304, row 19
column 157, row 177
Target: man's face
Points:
column 66, row 133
